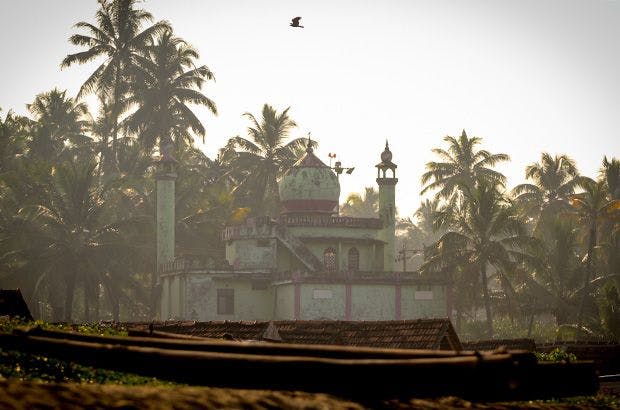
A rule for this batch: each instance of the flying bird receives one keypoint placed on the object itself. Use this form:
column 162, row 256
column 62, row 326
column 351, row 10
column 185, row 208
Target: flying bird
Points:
column 295, row 22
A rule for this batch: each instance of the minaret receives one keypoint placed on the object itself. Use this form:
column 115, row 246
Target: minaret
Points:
column 166, row 176
column 387, row 206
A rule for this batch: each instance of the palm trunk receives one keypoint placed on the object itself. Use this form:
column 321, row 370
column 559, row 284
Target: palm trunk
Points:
column 97, row 303
column 116, row 309
column 487, row 300
column 591, row 246
column 70, row 291
column 115, row 113
column 56, row 301
column 86, row 304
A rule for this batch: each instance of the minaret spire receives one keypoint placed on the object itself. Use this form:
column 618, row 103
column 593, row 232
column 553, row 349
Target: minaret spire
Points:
column 387, row 206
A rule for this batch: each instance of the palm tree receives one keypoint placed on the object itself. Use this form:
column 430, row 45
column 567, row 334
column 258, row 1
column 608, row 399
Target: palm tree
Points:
column 554, row 272
column 610, row 174
column 264, row 157
column 166, row 80
column 554, row 180
column 592, row 207
column 12, row 139
column 117, row 37
column 483, row 230
column 60, row 123
column 366, row 206
column 463, row 166
column 62, row 228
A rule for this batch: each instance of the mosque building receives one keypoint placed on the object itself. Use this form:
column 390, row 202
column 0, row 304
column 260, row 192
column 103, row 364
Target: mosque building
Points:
column 310, row 263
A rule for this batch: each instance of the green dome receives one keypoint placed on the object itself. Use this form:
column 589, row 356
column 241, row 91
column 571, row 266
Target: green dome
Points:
column 309, row 186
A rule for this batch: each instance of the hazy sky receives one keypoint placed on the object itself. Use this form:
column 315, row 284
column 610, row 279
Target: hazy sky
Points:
column 526, row 76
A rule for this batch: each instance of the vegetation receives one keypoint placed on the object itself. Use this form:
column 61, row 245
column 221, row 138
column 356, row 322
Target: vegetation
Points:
column 77, row 198
column 25, row 366
column 535, row 251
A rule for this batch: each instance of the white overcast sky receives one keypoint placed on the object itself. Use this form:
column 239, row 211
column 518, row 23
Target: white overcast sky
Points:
column 526, row 76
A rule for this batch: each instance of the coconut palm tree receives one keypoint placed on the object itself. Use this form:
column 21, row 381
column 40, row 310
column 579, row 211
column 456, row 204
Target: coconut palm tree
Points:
column 463, row 166
column 12, row 139
column 610, row 174
column 166, row 81
column 553, row 274
column 118, row 37
column 592, row 207
column 62, row 228
column 554, row 180
column 264, row 157
column 366, row 206
column 60, row 122
column 483, row 231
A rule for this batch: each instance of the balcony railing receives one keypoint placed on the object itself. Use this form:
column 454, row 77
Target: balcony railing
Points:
column 361, row 276
column 263, row 226
column 185, row 264
column 331, row 221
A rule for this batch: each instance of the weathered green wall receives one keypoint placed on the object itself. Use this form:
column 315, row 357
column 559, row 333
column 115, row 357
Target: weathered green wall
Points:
column 319, row 309
column 250, row 304
column 372, row 302
column 286, row 260
column 244, row 254
column 285, row 302
column 194, row 296
column 417, row 307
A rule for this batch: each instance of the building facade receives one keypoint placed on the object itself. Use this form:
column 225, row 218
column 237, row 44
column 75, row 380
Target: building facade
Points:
column 310, row 263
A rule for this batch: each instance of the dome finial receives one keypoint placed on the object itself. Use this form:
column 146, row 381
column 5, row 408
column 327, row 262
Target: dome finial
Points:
column 386, row 155
column 309, row 144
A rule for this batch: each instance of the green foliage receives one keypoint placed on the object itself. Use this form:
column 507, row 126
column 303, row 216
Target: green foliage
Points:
column 556, row 355
column 609, row 310
column 25, row 366
column 505, row 327
column 8, row 325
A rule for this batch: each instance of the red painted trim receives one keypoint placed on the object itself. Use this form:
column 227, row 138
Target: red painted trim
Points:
column 297, row 301
column 397, row 302
column 348, row 302
column 314, row 205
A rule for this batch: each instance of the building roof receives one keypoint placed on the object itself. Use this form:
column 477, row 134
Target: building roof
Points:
column 13, row 304
column 435, row 334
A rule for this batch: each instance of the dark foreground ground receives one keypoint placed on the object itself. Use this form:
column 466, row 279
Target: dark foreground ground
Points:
column 15, row 394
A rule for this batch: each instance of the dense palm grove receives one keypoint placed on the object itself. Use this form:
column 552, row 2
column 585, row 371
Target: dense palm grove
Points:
column 77, row 225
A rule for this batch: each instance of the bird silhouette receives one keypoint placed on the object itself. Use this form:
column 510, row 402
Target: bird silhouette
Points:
column 295, row 22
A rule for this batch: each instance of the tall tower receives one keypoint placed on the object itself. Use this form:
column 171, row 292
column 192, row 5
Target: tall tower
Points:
column 387, row 206
column 166, row 176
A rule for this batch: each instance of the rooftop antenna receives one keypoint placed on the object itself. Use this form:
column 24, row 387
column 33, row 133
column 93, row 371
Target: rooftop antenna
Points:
column 338, row 168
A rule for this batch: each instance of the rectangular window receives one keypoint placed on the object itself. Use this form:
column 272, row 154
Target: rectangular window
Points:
column 225, row 301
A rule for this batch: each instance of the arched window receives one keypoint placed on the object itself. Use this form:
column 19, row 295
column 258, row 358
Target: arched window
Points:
column 354, row 260
column 329, row 259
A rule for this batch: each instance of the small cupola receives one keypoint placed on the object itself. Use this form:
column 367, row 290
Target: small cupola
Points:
column 309, row 186
column 386, row 164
